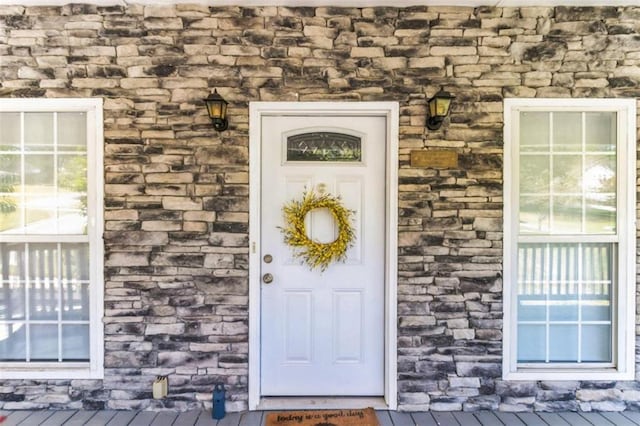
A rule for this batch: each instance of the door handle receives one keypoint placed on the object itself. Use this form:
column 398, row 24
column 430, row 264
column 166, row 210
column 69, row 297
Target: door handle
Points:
column 267, row 278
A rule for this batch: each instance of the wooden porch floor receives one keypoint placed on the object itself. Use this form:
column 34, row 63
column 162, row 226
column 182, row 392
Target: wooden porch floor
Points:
column 256, row 418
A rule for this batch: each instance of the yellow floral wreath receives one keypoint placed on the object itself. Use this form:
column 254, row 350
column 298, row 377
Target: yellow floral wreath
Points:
column 315, row 254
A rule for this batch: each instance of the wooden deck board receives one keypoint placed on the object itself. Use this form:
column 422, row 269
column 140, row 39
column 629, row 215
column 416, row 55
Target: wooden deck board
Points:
column 596, row 419
column 252, row 418
column 444, row 418
column 401, row 419
column 384, row 418
column 187, row 418
column 122, row 418
column 80, row 418
column 618, row 419
column 531, row 419
column 424, row 419
column 231, row 419
column 575, row 419
column 59, row 418
column 205, row 419
column 553, row 419
column 164, row 418
column 634, row 416
column 37, row 417
column 101, row 418
column 487, row 418
column 509, row 419
column 466, row 418
column 144, row 418
column 16, row 417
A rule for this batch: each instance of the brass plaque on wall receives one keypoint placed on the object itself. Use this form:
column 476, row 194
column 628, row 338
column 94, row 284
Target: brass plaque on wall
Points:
column 436, row 159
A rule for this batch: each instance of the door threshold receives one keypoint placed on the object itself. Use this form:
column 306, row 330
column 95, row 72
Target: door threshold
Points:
column 320, row 402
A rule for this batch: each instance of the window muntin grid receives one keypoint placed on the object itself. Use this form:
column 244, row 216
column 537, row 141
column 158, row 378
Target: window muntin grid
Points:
column 567, row 187
column 44, row 242
column 44, row 312
column 43, row 173
column 567, row 176
column 565, row 298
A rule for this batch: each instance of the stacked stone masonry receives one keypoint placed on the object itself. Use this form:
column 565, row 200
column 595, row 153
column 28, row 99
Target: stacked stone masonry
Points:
column 176, row 191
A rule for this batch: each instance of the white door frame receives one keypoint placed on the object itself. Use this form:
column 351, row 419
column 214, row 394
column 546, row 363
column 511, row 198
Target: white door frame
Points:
column 389, row 110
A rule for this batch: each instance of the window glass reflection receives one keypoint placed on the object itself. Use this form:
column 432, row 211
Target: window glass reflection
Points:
column 324, row 146
column 38, row 131
column 564, row 293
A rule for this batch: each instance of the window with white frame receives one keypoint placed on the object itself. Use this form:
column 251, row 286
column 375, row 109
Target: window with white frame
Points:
column 51, row 254
column 569, row 239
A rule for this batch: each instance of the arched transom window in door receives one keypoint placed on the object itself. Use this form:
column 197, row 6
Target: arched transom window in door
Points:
column 323, row 146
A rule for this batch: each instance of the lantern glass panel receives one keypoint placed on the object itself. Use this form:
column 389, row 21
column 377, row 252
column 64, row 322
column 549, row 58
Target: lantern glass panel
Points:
column 442, row 106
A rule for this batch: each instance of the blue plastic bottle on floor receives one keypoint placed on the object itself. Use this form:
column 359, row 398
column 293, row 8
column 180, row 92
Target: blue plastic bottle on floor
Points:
column 218, row 402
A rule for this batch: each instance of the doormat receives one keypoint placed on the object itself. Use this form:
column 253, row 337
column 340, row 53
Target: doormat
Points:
column 365, row 417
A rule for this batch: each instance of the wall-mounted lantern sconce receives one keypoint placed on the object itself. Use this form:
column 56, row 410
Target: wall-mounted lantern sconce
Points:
column 217, row 109
column 439, row 107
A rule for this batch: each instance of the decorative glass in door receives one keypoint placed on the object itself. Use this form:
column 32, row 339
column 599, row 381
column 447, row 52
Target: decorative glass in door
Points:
column 324, row 146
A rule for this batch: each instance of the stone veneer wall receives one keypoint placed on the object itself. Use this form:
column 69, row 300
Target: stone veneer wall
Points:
column 176, row 193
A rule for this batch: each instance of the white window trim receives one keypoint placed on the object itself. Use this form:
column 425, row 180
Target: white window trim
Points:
column 624, row 299
column 94, row 369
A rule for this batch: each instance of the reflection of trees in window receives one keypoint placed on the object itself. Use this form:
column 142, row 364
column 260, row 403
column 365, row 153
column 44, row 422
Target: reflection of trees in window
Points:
column 534, row 174
column 567, row 174
column 72, row 176
column 8, row 203
column 600, row 176
column 580, row 184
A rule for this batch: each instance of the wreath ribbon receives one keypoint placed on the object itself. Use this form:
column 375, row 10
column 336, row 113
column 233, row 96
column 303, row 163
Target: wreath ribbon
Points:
column 314, row 253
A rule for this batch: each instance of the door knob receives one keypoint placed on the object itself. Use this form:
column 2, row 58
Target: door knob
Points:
column 267, row 278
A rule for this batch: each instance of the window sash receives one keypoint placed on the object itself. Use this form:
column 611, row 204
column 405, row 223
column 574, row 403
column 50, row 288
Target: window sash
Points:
column 54, row 152
column 553, row 152
column 93, row 368
column 623, row 336
column 50, row 293
column 576, row 174
column 558, row 285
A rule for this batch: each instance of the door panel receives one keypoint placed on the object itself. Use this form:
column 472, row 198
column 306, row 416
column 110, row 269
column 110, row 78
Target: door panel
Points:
column 348, row 330
column 297, row 326
column 323, row 332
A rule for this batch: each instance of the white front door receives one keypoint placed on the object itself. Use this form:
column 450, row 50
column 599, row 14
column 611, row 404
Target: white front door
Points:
column 322, row 333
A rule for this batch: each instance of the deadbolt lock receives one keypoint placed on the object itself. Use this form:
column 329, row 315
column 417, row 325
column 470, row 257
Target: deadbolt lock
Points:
column 267, row 258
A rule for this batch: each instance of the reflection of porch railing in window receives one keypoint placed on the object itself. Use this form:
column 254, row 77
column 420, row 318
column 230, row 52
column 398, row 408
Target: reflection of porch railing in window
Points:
column 44, row 285
column 13, row 273
column 44, row 308
column 565, row 269
column 564, row 306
